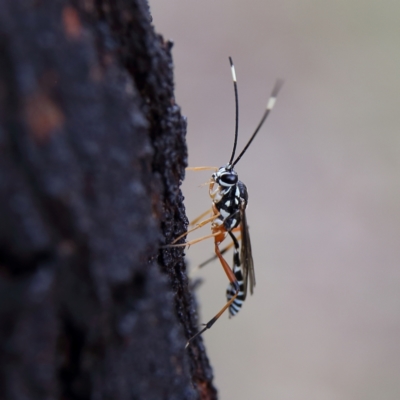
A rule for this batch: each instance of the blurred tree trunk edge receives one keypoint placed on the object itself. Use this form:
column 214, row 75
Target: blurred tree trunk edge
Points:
column 92, row 155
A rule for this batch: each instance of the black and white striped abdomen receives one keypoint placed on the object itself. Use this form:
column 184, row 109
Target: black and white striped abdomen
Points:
column 236, row 305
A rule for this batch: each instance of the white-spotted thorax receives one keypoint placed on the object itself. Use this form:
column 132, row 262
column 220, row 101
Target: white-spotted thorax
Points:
column 229, row 196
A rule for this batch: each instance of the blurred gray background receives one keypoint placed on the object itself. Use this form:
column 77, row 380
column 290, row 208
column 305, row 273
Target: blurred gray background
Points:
column 324, row 189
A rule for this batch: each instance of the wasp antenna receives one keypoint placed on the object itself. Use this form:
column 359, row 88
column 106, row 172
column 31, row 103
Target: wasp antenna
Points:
column 270, row 106
column 236, row 109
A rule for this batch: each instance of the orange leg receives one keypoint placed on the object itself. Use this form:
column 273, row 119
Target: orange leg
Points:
column 208, row 183
column 201, row 216
column 191, row 242
column 201, row 169
column 214, row 257
column 199, row 225
column 220, row 236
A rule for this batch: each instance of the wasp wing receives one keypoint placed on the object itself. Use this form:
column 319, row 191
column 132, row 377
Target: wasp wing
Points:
column 246, row 256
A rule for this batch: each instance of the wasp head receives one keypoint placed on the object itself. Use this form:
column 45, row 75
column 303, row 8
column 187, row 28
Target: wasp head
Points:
column 226, row 176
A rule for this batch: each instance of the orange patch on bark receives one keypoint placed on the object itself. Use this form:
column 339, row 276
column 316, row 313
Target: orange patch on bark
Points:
column 42, row 116
column 71, row 22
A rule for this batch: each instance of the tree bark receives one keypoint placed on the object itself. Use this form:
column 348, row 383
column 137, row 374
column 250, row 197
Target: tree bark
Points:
column 92, row 154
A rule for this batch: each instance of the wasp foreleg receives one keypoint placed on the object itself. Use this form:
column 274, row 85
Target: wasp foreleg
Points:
column 201, row 168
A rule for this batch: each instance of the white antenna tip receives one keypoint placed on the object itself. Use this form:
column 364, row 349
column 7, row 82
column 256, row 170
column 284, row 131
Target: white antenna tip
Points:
column 233, row 73
column 271, row 103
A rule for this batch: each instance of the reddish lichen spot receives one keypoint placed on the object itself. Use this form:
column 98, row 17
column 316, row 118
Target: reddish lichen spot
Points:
column 72, row 23
column 42, row 116
column 88, row 5
column 95, row 73
column 108, row 59
column 204, row 390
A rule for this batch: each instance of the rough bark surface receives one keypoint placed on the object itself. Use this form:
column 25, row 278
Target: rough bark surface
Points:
column 92, row 154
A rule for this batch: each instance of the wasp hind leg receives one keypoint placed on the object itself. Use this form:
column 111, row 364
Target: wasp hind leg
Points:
column 215, row 257
column 233, row 283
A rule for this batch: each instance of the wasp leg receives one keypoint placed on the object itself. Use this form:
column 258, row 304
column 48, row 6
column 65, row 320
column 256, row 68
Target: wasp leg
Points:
column 199, row 225
column 214, row 257
column 191, row 242
column 200, row 217
column 211, row 259
column 233, row 282
column 201, row 169
column 208, row 183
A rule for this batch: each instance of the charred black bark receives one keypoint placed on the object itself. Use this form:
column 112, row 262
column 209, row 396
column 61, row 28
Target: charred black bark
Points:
column 92, row 154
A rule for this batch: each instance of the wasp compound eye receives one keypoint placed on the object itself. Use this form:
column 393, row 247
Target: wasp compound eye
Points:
column 229, row 179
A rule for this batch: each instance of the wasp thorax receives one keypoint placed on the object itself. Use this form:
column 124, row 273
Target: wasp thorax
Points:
column 226, row 177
